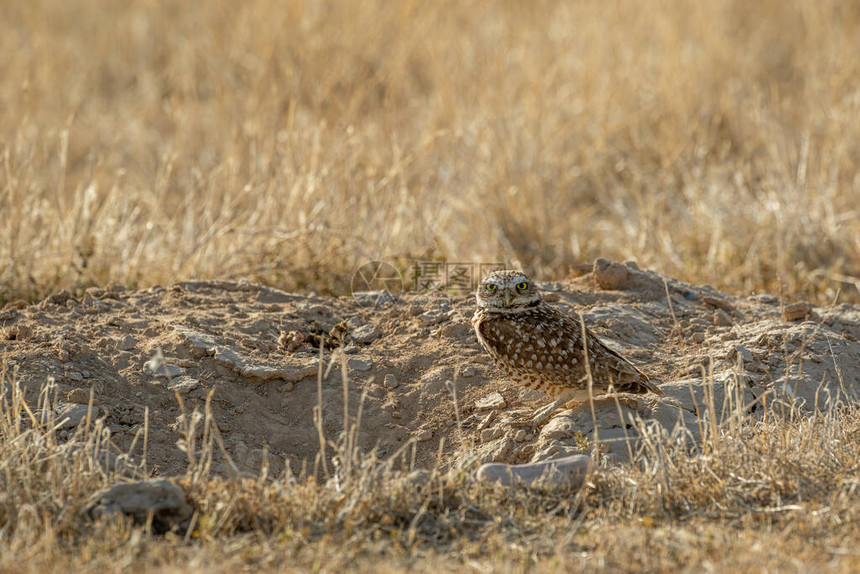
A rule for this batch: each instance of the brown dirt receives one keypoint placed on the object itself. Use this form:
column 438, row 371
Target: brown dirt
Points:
column 249, row 344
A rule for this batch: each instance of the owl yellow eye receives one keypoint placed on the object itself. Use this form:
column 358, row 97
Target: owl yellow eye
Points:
column 491, row 287
column 522, row 286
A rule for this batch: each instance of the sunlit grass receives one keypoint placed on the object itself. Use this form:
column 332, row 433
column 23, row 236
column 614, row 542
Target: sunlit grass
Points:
column 288, row 142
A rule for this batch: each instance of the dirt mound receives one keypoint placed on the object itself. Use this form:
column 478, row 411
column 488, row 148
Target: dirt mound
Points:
column 411, row 368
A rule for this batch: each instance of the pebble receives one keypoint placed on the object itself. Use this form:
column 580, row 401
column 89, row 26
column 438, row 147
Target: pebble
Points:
column 360, row 364
column 722, row 319
column 127, row 343
column 183, row 384
column 70, row 415
column 80, row 397
column 520, row 435
column 796, row 311
column 609, row 275
column 568, row 472
column 75, row 376
column 490, row 402
column 158, row 368
column 161, row 503
column 488, row 435
column 390, row 382
column 365, row 334
column 424, row 435
column 467, row 372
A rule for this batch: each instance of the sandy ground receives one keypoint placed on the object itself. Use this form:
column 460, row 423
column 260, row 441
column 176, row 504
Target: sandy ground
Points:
column 257, row 348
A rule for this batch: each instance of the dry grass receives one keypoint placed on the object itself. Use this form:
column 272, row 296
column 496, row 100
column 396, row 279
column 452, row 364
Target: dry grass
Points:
column 147, row 142
column 777, row 493
column 287, row 142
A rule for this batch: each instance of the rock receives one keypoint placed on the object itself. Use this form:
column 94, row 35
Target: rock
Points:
column 520, row 435
column 373, row 298
column 158, row 368
column 127, row 343
column 390, row 382
column 721, row 304
column 490, row 402
column 228, row 357
column 609, row 275
column 467, row 372
column 351, row 350
column 80, row 397
column 722, row 319
column 432, row 317
column 488, row 435
column 796, row 311
column 183, row 384
column 161, row 499
column 75, row 376
column 359, row 364
column 201, row 343
column 424, row 435
column 365, row 334
column 70, row 415
column 568, row 472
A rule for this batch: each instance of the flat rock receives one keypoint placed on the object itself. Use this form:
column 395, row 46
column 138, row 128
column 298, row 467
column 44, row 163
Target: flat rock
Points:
column 70, row 415
column 157, row 367
column 365, row 334
column 360, row 364
column 568, row 472
column 183, row 384
column 490, row 402
column 228, row 357
column 162, row 499
column 127, row 343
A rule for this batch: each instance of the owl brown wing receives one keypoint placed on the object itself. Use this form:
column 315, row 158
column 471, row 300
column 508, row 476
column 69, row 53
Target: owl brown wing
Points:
column 606, row 365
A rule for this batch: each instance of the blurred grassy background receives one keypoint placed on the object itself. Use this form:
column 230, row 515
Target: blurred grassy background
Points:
column 151, row 141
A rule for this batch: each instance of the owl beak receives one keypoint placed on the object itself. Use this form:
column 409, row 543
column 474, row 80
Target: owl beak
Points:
column 509, row 297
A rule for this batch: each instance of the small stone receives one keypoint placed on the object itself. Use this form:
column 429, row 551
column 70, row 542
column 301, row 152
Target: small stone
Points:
column 467, row 372
column 697, row 337
column 365, row 334
column 424, row 435
column 432, row 317
column 396, row 415
column 568, row 472
column 520, row 435
column 390, row 382
column 722, row 319
column 488, row 435
column 63, row 355
column 75, row 376
column 127, row 343
column 373, row 298
column 360, row 364
column 288, row 387
column 351, row 350
column 70, row 415
column 80, row 397
column 796, row 311
column 158, row 368
column 609, row 275
column 159, row 502
column 183, row 384
column 490, row 402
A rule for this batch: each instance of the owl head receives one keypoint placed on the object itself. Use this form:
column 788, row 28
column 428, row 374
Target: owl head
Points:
column 507, row 292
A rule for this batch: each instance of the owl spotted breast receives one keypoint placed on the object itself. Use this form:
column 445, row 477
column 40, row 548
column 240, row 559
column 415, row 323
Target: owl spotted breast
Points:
column 541, row 348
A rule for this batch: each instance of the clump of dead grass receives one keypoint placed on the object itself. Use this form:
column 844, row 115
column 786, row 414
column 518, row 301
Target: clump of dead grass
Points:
column 776, row 491
column 289, row 142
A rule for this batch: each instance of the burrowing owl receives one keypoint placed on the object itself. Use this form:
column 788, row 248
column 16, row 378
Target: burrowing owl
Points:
column 542, row 348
